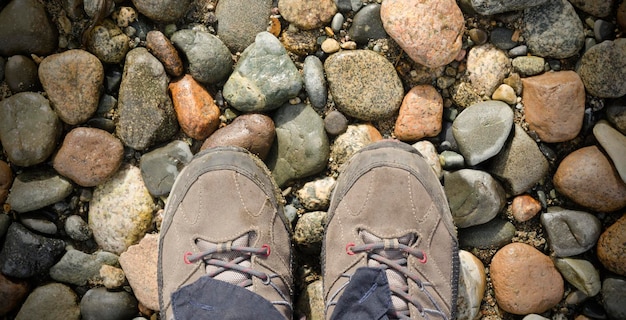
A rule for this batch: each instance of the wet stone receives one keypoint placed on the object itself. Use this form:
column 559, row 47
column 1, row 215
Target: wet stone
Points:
column 161, row 47
column 79, row 268
column 209, row 59
column 366, row 25
column 610, row 250
column 53, row 301
column 160, row 167
column 21, row 74
column 314, row 81
column 493, row 234
column 139, row 263
column 570, row 232
column 36, row 189
column 254, row 132
column 162, row 10
column 107, row 42
column 196, row 111
column 26, row 254
column 240, row 20
column 601, row 71
column 101, row 304
column 307, row 15
column 25, row 28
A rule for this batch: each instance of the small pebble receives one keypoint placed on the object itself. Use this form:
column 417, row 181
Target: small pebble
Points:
column 337, row 23
column 21, row 74
column 505, row 93
column 330, row 45
column 77, row 228
column 603, row 30
column 524, row 207
column 335, row 123
column 478, row 36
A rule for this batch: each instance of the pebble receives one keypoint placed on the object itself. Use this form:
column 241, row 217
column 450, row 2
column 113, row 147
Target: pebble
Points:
column 196, row 111
column 161, row 166
column 102, row 304
column 25, row 254
column 505, row 93
column 518, row 51
column 163, row 49
column 428, row 150
column 587, row 177
column 581, row 274
column 474, row 197
column 621, row 16
column 533, row 316
column 452, row 160
column 525, row 280
column 597, row 8
column 29, row 128
column 125, row 16
column 21, row 74
column 337, row 22
column 603, row 30
column 108, row 42
column 79, row 268
column 88, row 156
column 302, row 147
column 367, row 25
column 37, row 188
column 529, row 65
column 112, row 277
column 254, row 132
column 146, row 114
column 264, row 78
column 309, row 232
column 616, row 114
column 363, row 84
column 601, row 71
column 52, row 301
column 13, row 292
column 614, row 144
column 311, row 301
column 614, row 295
column 92, row 8
column 520, row 164
column 307, row 15
column 487, row 66
column 554, row 104
column 515, row 81
column 121, row 210
column 6, row 179
column 463, row 95
column 314, row 81
column 494, row 234
column 472, row 285
column 356, row 137
column 330, row 45
column 315, row 195
column 433, row 40
column 25, row 28
column 162, row 10
column 524, row 207
column 300, row 42
column 420, row 114
column 335, row 123
column 502, row 38
column 478, row 36
column 553, row 30
column 489, row 7
column 482, row 129
column 610, row 250
column 77, row 229
column 570, row 232
column 209, row 59
column 38, row 222
column 240, row 20
column 139, row 263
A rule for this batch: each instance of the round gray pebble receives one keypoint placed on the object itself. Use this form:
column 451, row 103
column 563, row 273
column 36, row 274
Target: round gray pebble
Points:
column 335, row 24
column 501, row 38
column 335, row 123
column 77, row 228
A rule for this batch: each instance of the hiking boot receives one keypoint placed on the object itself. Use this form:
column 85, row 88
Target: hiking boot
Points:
column 224, row 221
column 389, row 211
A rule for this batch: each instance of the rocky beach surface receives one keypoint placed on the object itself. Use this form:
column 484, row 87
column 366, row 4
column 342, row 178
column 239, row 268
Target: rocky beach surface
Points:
column 519, row 106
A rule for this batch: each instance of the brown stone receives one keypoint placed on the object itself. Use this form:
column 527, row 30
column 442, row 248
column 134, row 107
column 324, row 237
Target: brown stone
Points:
column 161, row 47
column 301, row 42
column 197, row 113
column 139, row 263
column 611, row 249
column 433, row 40
column 554, row 104
column 254, row 132
column 12, row 293
column 89, row 156
column 587, row 177
column 6, row 179
column 525, row 280
column 525, row 207
column 72, row 80
column 420, row 114
column 306, row 14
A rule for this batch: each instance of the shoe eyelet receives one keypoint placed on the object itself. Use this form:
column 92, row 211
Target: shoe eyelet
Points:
column 424, row 258
column 349, row 248
column 268, row 250
column 186, row 257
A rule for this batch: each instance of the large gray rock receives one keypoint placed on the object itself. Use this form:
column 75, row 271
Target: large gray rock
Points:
column 29, row 128
column 301, row 147
column 488, row 7
column 209, row 58
column 26, row 254
column 264, row 78
column 25, row 28
column 238, row 21
column 553, row 30
column 570, row 232
column 602, row 69
column 146, row 113
column 52, row 301
column 162, row 10
column 33, row 190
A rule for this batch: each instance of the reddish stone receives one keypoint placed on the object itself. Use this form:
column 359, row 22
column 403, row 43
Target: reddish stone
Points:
column 139, row 263
column 420, row 114
column 12, row 293
column 89, row 156
column 554, row 104
column 197, row 113
column 6, row 179
column 587, row 177
column 611, row 249
column 525, row 207
column 161, row 47
column 254, row 132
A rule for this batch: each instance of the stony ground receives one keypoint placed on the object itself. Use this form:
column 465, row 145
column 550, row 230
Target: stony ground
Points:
column 514, row 215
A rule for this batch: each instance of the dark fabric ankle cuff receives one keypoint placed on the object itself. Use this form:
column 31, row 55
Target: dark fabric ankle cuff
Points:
column 367, row 296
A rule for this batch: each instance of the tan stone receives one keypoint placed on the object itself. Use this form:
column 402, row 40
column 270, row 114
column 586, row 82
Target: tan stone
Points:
column 161, row 47
column 611, row 249
column 420, row 114
column 525, row 207
column 139, row 263
column 487, row 67
column 587, row 177
column 306, row 14
column 554, row 104
column 525, row 280
column 197, row 113
column 505, row 93
column 254, row 132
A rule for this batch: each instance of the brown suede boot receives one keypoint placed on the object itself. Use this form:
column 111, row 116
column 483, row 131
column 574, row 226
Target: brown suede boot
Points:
column 224, row 219
column 389, row 211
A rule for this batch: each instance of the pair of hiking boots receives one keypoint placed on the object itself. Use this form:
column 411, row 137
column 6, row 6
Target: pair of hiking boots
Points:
column 224, row 223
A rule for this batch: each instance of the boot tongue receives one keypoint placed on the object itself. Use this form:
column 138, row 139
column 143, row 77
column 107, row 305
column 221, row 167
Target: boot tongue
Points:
column 231, row 276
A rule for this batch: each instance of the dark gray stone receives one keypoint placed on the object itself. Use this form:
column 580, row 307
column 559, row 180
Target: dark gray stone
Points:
column 160, row 167
column 335, row 123
column 570, row 232
column 25, row 28
column 614, row 294
column 26, row 254
column 494, row 234
column 501, row 38
column 209, row 58
column 603, row 30
column 553, row 30
column 488, row 7
column 367, row 25
column 21, row 74
column 239, row 21
column 101, row 304
column 77, row 228
column 34, row 190
column 314, row 81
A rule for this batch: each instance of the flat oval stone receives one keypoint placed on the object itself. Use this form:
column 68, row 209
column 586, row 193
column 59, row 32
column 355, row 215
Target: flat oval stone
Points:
column 570, row 232
column 254, row 132
column 433, row 40
column 89, row 156
column 420, row 114
column 493, row 234
column 239, row 21
column 588, row 178
column 601, row 71
column 79, row 268
column 102, row 304
column 29, row 128
column 367, row 25
column 25, row 28
column 25, row 254
column 36, row 189
column 51, row 301
column 472, row 285
column 364, row 84
column 553, row 29
column 161, row 47
column 307, row 15
column 335, row 123
column 610, row 250
column 161, row 166
column 139, row 263
column 72, row 80
column 162, row 10
column 21, row 74
column 314, row 81
column 614, row 143
column 196, row 111
column 580, row 273
column 209, row 59
column 6, row 179
column 38, row 222
column 529, row 65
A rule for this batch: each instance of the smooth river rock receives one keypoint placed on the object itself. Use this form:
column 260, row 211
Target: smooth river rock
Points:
column 209, row 59
column 602, row 71
column 254, row 132
column 36, row 189
column 25, row 28
column 570, row 232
